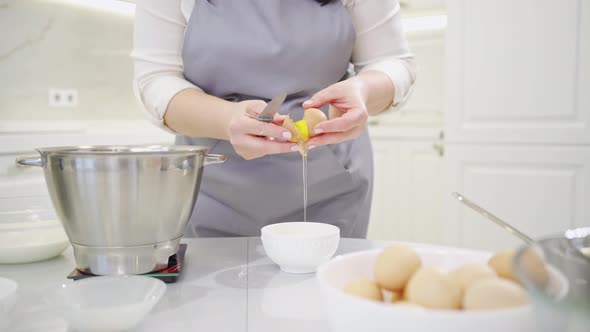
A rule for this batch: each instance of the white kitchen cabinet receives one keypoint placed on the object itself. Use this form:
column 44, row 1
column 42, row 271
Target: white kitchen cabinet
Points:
column 517, row 117
column 409, row 179
column 386, row 194
column 422, row 181
column 518, row 71
column 541, row 190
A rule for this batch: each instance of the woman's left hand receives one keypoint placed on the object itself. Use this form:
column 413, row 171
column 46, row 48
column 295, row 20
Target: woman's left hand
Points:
column 349, row 97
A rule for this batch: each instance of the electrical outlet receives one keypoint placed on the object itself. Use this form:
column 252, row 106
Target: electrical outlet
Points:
column 63, row 97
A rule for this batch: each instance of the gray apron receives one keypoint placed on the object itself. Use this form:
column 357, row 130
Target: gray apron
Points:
column 255, row 49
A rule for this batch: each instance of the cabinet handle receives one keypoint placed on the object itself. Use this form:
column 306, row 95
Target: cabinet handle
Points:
column 439, row 145
column 440, row 149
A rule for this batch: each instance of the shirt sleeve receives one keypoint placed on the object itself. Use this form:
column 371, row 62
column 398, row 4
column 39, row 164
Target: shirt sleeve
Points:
column 381, row 45
column 157, row 56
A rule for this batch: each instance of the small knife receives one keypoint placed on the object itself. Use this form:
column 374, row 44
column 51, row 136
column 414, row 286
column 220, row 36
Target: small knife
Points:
column 268, row 114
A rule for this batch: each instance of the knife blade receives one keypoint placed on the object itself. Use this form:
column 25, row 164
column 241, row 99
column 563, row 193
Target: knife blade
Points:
column 268, row 113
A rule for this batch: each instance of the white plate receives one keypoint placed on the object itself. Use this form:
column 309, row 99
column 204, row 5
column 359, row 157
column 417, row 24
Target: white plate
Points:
column 107, row 303
column 349, row 313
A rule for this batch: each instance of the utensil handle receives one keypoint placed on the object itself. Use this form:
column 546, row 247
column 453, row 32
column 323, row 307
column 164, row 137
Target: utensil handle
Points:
column 493, row 218
column 29, row 161
column 214, row 159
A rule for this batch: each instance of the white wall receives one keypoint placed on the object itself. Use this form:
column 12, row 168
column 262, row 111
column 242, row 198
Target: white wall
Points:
column 55, row 44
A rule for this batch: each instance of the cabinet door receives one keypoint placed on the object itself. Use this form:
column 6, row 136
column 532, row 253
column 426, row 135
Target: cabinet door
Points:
column 409, row 179
column 516, row 117
column 386, row 191
column 422, row 178
column 518, row 71
column 540, row 190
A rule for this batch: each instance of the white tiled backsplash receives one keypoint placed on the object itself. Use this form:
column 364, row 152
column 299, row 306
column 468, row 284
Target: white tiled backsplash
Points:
column 54, row 44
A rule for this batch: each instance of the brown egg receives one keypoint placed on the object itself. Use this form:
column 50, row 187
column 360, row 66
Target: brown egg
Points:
column 365, row 288
column 501, row 262
column 395, row 265
column 495, row 293
column 290, row 125
column 467, row 274
column 533, row 264
column 434, row 289
column 313, row 116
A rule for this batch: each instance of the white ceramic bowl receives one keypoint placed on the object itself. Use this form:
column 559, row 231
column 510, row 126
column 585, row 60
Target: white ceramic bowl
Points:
column 351, row 313
column 8, row 289
column 300, row 247
column 30, row 235
column 107, row 303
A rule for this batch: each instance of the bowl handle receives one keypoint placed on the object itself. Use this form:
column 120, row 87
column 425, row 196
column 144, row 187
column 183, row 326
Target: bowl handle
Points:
column 214, row 159
column 29, row 161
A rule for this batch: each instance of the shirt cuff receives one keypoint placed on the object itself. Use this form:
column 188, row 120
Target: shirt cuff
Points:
column 399, row 70
column 155, row 96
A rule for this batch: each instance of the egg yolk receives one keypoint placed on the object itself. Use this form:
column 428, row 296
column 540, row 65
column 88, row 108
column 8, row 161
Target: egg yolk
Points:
column 301, row 126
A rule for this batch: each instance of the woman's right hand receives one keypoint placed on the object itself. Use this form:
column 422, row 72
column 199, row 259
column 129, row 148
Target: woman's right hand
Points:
column 252, row 138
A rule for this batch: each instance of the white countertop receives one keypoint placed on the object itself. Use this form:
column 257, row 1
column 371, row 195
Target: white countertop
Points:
column 226, row 284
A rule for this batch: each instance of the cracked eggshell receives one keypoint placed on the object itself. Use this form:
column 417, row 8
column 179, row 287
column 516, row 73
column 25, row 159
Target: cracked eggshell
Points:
column 313, row 116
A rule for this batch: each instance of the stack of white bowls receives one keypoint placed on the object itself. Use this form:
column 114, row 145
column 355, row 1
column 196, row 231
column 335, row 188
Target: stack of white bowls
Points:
column 29, row 230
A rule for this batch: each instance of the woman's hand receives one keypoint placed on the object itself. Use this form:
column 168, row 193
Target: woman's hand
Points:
column 252, row 138
column 349, row 97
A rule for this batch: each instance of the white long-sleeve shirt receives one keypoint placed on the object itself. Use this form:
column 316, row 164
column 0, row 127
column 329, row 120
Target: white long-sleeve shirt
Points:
column 159, row 34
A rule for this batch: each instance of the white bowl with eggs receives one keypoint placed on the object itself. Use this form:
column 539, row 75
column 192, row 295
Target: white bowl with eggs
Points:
column 300, row 247
column 353, row 313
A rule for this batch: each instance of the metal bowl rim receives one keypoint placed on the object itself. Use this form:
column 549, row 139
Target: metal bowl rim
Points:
column 530, row 286
column 119, row 150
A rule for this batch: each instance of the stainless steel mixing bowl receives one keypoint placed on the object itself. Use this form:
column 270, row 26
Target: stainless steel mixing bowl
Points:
column 563, row 304
column 124, row 208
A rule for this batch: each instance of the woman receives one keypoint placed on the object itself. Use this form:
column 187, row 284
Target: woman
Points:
column 204, row 67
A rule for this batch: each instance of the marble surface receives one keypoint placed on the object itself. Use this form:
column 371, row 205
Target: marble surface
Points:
column 64, row 45
column 227, row 285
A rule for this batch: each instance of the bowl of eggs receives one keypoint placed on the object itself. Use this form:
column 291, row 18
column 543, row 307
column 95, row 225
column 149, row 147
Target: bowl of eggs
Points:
column 414, row 288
